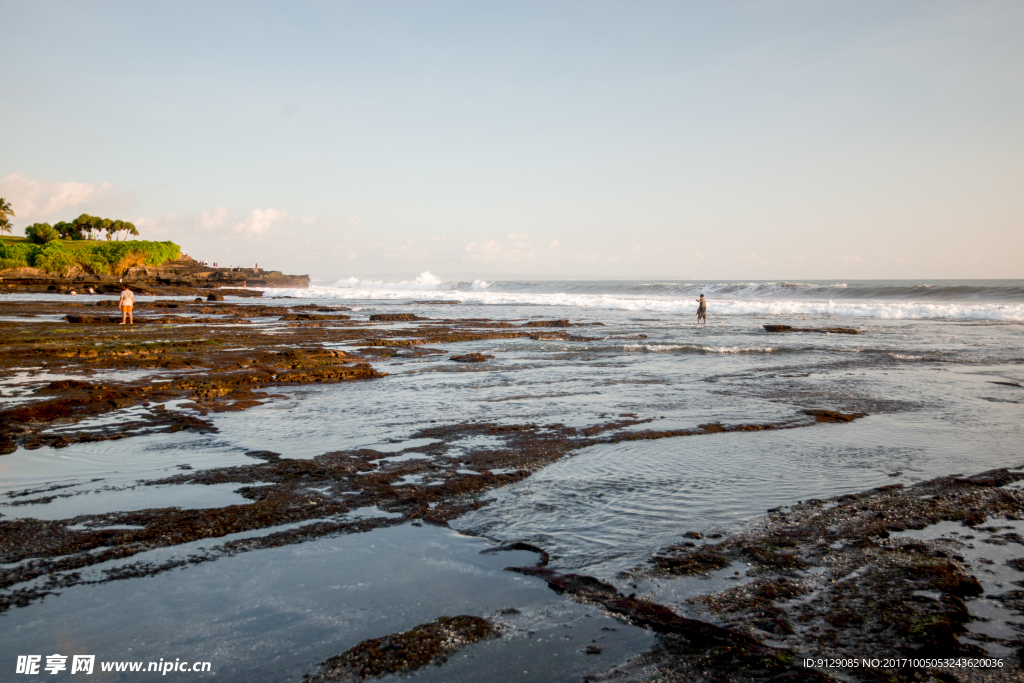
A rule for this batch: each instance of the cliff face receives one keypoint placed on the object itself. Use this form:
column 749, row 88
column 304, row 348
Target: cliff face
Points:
column 183, row 273
column 188, row 273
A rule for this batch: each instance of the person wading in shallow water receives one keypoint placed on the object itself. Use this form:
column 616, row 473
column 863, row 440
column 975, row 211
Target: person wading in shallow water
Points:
column 125, row 304
column 702, row 310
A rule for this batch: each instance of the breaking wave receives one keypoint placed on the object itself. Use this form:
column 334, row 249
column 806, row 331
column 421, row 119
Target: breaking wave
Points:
column 425, row 282
column 932, row 291
column 693, row 348
column 427, row 287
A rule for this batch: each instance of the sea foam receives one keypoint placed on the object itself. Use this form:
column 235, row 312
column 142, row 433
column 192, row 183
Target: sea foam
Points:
column 428, row 287
column 424, row 282
column 692, row 348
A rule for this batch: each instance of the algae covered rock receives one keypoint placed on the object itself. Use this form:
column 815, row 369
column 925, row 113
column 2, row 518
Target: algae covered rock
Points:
column 471, row 358
column 407, row 650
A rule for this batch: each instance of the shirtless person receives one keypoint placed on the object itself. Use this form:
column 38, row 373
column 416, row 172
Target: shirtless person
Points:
column 125, row 304
column 702, row 310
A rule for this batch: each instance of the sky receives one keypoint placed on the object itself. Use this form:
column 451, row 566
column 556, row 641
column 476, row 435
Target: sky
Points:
column 589, row 140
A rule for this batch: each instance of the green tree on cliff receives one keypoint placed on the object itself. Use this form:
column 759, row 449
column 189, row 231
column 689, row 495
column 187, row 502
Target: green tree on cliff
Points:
column 85, row 226
column 117, row 227
column 5, row 211
column 68, row 231
column 41, row 233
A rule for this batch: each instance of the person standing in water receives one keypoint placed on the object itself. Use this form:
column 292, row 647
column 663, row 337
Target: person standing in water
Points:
column 126, row 303
column 702, row 310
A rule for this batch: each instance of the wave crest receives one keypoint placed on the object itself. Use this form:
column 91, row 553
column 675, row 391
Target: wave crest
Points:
column 693, row 348
column 424, row 282
column 479, row 294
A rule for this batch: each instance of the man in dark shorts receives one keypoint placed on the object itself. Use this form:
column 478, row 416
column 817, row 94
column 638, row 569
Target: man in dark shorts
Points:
column 702, row 310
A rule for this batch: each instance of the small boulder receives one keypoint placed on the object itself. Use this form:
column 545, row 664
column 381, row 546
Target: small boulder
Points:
column 215, row 297
column 471, row 358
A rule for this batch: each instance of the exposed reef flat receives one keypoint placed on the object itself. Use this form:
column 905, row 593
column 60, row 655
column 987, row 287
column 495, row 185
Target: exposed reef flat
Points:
column 856, row 576
column 437, row 484
column 843, row 580
column 218, row 356
column 836, row 578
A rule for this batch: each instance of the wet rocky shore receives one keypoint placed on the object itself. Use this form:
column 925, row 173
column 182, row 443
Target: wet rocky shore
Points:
column 830, row 580
column 828, row 590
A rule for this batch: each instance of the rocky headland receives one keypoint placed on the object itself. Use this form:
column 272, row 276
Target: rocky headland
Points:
column 182, row 276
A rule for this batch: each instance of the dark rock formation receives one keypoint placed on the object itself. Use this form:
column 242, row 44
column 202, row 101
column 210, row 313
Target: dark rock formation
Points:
column 421, row 645
column 314, row 316
column 862, row 588
column 471, row 358
column 831, row 330
column 391, row 317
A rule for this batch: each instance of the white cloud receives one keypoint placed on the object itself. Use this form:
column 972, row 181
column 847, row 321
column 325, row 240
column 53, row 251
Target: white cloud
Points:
column 751, row 257
column 213, row 219
column 35, row 201
column 260, row 220
column 483, row 251
column 517, row 249
column 308, row 219
column 149, row 228
column 355, row 219
column 555, row 244
column 518, row 236
column 219, row 220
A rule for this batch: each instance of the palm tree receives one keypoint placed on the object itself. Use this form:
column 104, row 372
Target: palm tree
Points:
column 5, row 211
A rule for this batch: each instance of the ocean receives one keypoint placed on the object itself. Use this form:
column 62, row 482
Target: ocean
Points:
column 937, row 367
column 1001, row 300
